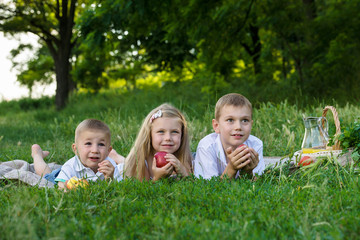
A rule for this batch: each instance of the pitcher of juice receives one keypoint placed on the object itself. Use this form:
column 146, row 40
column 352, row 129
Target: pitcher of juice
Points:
column 316, row 134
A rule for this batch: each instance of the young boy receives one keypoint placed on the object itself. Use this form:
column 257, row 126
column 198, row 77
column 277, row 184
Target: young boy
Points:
column 92, row 147
column 231, row 150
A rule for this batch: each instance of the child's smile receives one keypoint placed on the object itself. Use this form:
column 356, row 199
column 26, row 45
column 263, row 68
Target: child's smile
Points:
column 237, row 136
column 167, row 145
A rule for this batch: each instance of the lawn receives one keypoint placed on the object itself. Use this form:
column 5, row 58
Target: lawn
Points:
column 316, row 202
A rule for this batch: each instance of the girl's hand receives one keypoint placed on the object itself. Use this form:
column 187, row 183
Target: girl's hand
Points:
column 179, row 168
column 106, row 168
column 165, row 171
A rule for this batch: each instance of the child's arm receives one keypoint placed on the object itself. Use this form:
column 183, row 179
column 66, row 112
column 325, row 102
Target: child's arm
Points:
column 163, row 172
column 206, row 162
column 179, row 168
column 64, row 174
column 107, row 168
column 259, row 169
column 61, row 185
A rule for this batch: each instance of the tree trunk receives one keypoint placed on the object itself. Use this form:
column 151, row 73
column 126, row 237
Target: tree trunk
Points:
column 255, row 50
column 254, row 31
column 62, row 60
column 310, row 9
column 62, row 82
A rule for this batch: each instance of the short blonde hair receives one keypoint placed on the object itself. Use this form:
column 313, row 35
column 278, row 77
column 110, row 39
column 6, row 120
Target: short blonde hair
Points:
column 142, row 148
column 233, row 99
column 92, row 124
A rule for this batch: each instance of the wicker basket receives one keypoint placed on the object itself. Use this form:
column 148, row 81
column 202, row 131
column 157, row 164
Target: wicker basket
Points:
column 336, row 146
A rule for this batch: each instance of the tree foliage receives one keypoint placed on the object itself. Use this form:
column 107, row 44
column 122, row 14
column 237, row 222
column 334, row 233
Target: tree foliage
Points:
column 274, row 49
column 303, row 44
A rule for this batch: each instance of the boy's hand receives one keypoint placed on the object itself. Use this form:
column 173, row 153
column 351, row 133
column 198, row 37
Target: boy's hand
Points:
column 178, row 167
column 106, row 168
column 238, row 159
column 62, row 186
column 245, row 158
column 165, row 171
column 254, row 161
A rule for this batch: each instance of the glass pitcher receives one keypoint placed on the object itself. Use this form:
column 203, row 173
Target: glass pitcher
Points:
column 316, row 136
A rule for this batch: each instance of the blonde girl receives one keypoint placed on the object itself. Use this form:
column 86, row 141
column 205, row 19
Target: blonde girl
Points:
column 163, row 129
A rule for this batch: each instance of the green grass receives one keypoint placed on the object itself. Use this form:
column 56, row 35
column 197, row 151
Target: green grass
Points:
column 317, row 202
column 322, row 205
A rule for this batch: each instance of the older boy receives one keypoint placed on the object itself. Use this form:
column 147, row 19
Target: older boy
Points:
column 231, row 150
column 92, row 147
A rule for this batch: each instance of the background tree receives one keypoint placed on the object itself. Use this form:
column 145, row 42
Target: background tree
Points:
column 317, row 40
column 131, row 33
column 171, row 33
column 53, row 22
column 267, row 49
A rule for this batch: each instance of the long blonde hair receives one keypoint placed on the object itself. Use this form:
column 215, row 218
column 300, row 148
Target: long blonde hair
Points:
column 142, row 149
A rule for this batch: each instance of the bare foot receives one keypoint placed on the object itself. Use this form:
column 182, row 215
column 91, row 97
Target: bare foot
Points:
column 41, row 168
column 116, row 157
column 37, row 151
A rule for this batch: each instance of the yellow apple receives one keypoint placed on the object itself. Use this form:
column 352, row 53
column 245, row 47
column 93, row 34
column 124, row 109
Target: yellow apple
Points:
column 75, row 182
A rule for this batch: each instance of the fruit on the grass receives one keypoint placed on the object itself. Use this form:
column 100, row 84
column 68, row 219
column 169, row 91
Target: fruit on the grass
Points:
column 75, row 182
column 306, row 160
column 160, row 159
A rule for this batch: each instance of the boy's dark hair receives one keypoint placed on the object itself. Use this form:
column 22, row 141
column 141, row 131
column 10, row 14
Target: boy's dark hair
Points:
column 234, row 99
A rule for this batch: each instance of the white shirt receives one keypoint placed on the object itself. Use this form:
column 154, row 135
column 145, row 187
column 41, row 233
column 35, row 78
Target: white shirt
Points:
column 210, row 159
column 74, row 168
column 120, row 169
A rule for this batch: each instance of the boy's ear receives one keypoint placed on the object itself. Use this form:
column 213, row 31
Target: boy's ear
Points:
column 110, row 148
column 74, row 148
column 215, row 125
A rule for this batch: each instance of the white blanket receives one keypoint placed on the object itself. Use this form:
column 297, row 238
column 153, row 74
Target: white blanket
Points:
column 20, row 170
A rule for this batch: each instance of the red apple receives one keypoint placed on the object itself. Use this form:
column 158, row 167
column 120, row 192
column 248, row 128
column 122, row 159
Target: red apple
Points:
column 241, row 145
column 306, row 160
column 160, row 159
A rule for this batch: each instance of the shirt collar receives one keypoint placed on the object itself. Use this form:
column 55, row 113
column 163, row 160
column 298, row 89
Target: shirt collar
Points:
column 79, row 166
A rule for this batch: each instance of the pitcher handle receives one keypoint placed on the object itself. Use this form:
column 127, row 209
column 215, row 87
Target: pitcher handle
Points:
column 321, row 123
